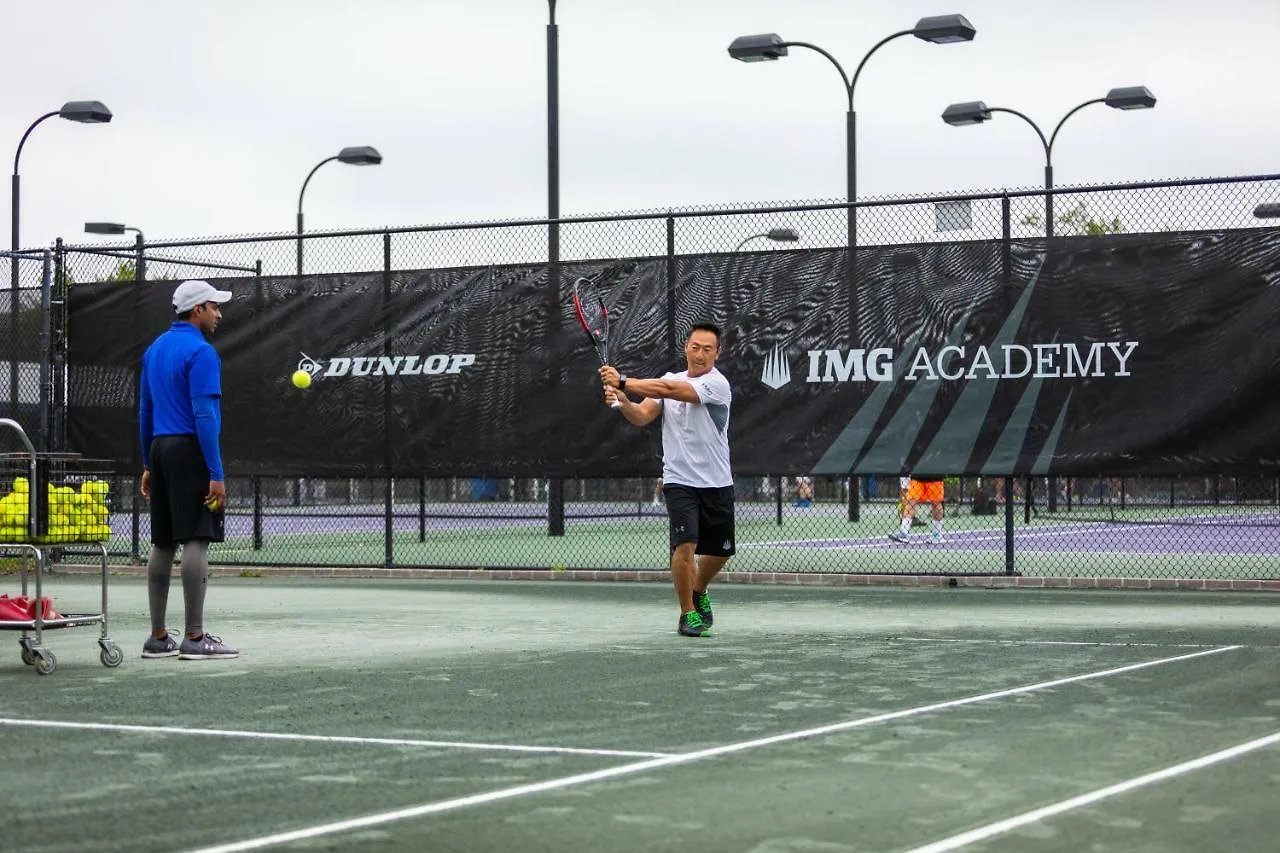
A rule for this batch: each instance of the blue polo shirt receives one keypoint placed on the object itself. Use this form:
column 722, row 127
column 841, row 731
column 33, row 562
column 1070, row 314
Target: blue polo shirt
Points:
column 180, row 392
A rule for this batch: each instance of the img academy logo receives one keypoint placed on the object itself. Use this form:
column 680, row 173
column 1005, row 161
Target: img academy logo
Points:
column 1006, row 361
column 439, row 364
column 777, row 372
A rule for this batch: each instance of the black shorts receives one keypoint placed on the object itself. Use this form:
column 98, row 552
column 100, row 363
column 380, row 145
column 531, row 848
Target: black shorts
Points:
column 179, row 484
column 702, row 516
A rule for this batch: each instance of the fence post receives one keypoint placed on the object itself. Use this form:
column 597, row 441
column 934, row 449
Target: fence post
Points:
column 257, row 513
column 389, row 484
column 1008, row 526
column 46, row 350
column 422, row 509
column 136, row 521
column 555, row 485
column 673, row 343
column 1006, row 272
column 139, row 259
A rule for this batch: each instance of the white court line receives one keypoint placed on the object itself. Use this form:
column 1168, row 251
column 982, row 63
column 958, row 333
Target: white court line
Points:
column 670, row 760
column 992, row 642
column 991, row 830
column 374, row 741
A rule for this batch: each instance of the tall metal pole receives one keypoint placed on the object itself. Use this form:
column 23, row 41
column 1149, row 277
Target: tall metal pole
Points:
column 555, row 486
column 1048, row 196
column 139, row 258
column 14, row 192
column 15, row 238
column 851, row 195
column 302, row 193
column 299, row 265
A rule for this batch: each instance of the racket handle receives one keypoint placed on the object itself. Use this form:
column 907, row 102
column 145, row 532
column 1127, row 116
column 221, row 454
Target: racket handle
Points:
column 615, row 405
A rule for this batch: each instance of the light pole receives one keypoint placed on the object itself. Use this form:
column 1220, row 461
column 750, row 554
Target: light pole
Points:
column 83, row 112
column 938, row 29
column 555, row 485
column 117, row 228
column 360, row 155
column 111, row 228
column 976, row 112
column 777, row 235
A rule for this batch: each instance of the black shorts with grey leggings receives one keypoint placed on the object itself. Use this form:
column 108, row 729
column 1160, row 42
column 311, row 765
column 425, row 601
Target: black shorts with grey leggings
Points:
column 701, row 515
column 179, row 484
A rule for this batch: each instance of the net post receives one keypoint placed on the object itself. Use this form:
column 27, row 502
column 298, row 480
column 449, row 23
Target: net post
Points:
column 257, row 513
column 1008, row 526
column 136, row 521
column 777, row 498
column 422, row 509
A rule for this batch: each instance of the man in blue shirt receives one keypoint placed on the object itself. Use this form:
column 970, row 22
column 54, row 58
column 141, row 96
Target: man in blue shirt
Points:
column 179, row 419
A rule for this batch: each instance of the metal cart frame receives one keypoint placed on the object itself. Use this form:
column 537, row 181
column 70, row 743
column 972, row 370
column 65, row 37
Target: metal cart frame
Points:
column 32, row 630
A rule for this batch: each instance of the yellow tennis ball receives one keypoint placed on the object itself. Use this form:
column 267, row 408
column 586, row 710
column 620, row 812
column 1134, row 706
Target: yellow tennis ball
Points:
column 301, row 379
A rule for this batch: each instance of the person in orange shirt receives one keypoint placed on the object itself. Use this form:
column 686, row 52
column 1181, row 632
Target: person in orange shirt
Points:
column 921, row 490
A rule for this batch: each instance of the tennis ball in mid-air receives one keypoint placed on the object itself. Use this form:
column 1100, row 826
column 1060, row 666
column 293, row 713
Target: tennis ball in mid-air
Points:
column 301, row 379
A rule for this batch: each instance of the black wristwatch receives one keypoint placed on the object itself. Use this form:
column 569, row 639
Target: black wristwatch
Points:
column 622, row 382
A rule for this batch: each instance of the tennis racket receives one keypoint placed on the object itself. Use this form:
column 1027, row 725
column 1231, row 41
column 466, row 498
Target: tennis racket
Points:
column 594, row 317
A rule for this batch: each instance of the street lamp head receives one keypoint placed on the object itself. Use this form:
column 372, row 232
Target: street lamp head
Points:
column 969, row 112
column 758, row 48
column 783, row 235
column 360, row 155
column 1267, row 210
column 944, row 29
column 104, row 228
column 85, row 112
column 1130, row 98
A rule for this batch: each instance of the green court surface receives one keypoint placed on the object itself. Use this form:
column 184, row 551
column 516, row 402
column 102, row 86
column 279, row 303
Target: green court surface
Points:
column 467, row 716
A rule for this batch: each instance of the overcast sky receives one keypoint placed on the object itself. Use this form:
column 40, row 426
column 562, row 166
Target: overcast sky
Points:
column 221, row 108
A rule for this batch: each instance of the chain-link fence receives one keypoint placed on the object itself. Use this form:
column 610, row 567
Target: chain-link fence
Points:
column 787, row 520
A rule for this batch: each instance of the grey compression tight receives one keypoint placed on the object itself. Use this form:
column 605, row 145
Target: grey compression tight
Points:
column 195, row 577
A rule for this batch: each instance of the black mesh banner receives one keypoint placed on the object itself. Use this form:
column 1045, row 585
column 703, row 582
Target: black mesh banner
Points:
column 1154, row 354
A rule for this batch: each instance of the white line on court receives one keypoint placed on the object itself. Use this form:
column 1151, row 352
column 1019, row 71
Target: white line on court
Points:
column 991, row 830
column 671, row 760
column 996, row 642
column 362, row 741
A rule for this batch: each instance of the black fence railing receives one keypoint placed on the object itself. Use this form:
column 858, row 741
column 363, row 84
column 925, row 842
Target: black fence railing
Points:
column 1218, row 527
column 1102, row 526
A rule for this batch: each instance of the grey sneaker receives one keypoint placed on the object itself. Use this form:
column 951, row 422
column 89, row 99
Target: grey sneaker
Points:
column 162, row 647
column 207, row 647
column 935, row 538
column 899, row 536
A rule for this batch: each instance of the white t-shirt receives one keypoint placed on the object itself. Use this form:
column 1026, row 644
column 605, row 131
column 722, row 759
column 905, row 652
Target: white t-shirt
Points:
column 695, row 436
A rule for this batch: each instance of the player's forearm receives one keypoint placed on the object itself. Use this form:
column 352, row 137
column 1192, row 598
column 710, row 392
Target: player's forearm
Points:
column 659, row 389
column 633, row 412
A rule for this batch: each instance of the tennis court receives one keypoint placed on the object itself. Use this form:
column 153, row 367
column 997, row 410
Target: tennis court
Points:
column 471, row 716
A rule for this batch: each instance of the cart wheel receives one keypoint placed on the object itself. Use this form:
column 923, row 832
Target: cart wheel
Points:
column 28, row 656
column 46, row 663
column 111, row 656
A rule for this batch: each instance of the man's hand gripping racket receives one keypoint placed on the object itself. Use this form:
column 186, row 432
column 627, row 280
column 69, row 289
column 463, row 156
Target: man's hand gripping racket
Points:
column 594, row 317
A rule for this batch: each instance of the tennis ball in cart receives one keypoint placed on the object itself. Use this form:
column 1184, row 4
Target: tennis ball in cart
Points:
column 301, row 379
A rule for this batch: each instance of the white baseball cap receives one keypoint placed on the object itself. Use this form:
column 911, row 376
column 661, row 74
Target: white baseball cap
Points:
column 189, row 294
